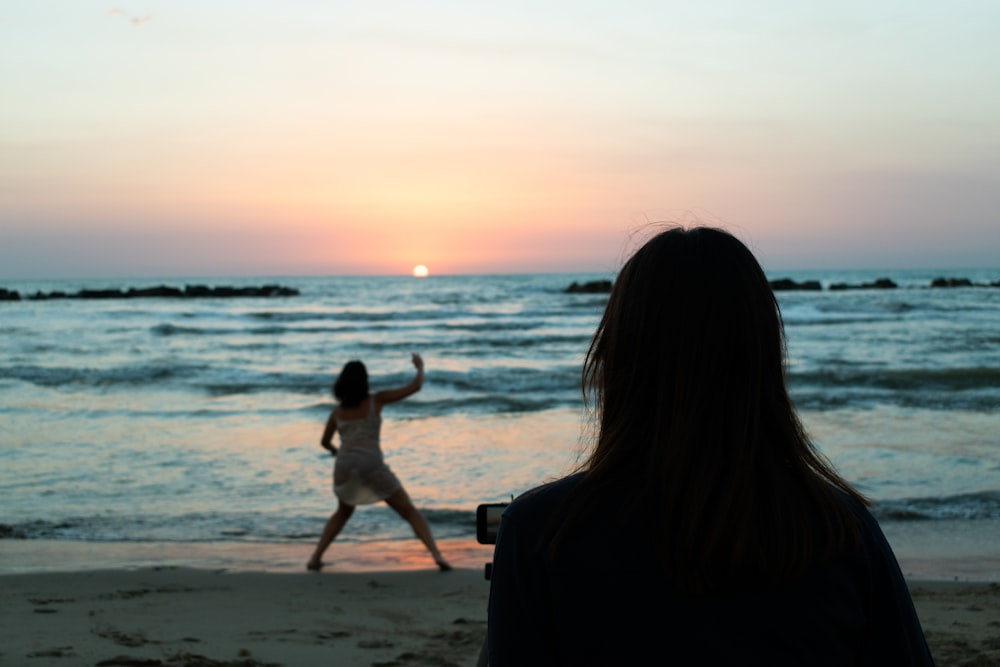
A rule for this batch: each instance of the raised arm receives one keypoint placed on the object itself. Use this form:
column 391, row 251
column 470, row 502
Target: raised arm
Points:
column 393, row 395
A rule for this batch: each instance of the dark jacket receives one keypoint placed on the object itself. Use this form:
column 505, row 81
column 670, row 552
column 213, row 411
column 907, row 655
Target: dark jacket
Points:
column 603, row 601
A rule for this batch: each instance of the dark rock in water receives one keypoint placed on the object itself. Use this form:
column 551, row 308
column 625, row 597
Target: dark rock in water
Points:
column 591, row 287
column 881, row 283
column 41, row 296
column 197, row 290
column 951, row 282
column 159, row 291
column 783, row 284
column 100, row 294
column 228, row 292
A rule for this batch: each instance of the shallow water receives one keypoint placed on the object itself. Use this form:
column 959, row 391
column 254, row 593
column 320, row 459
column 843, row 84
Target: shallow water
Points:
column 197, row 421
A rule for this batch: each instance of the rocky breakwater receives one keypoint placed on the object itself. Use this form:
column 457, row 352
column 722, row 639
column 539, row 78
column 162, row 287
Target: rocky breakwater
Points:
column 591, row 287
column 786, row 284
column 158, row 291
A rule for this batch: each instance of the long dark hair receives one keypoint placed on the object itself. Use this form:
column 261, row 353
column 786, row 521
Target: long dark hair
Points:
column 686, row 376
column 351, row 386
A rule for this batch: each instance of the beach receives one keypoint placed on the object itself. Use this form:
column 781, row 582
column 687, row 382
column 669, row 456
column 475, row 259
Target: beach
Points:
column 377, row 604
column 179, row 616
column 162, row 484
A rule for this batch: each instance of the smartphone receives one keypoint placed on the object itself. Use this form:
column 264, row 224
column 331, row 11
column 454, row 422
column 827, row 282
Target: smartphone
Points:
column 488, row 522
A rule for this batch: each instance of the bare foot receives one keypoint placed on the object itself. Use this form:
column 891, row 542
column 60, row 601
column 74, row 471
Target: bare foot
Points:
column 314, row 566
column 442, row 564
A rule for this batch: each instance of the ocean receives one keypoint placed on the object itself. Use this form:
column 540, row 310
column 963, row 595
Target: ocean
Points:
column 189, row 425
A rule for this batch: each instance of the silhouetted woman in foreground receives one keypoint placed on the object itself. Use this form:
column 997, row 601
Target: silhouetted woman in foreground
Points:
column 704, row 528
column 360, row 476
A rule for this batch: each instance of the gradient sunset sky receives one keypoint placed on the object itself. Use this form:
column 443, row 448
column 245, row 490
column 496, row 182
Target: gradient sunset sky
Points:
column 242, row 137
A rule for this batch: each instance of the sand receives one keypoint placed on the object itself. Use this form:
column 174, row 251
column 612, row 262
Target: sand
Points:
column 961, row 621
column 179, row 616
column 409, row 615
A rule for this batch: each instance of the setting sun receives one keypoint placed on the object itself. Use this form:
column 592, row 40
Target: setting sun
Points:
column 420, row 271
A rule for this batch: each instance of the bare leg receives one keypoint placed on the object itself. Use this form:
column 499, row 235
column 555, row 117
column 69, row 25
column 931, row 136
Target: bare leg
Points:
column 333, row 526
column 401, row 502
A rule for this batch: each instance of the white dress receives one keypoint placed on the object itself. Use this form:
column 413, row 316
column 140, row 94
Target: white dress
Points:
column 360, row 475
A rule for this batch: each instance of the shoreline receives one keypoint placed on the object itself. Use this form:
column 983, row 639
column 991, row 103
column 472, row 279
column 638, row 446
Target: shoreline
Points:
column 944, row 550
column 24, row 557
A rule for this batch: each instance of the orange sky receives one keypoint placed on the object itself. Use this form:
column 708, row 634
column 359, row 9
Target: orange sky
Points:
column 175, row 138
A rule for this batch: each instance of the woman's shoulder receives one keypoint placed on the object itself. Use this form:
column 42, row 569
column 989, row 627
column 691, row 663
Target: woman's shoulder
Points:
column 538, row 500
column 873, row 543
column 857, row 508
